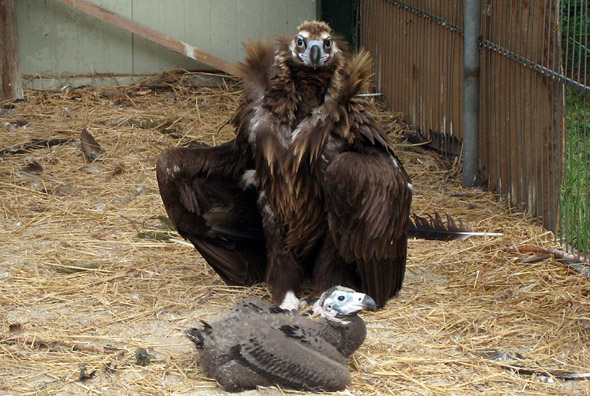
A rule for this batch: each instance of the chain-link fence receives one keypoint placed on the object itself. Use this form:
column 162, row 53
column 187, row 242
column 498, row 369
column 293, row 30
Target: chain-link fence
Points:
column 534, row 99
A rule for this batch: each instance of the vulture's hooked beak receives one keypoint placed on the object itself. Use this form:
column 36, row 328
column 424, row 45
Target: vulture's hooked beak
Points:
column 314, row 54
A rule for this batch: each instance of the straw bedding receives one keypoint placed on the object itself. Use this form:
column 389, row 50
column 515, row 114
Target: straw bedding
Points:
column 95, row 290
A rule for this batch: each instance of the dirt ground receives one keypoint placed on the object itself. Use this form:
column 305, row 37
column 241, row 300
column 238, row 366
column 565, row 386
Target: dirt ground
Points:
column 91, row 278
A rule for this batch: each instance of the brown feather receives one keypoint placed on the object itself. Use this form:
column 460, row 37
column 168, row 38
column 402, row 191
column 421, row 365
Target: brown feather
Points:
column 314, row 28
column 256, row 69
column 90, row 147
column 433, row 227
column 359, row 70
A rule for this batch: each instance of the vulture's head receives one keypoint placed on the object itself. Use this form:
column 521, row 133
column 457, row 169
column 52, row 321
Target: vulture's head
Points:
column 340, row 302
column 314, row 45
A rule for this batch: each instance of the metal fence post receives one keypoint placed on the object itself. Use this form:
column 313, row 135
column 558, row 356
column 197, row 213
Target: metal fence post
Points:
column 471, row 91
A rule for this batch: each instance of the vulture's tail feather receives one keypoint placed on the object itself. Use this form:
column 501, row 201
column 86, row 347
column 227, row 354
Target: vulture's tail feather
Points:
column 433, row 227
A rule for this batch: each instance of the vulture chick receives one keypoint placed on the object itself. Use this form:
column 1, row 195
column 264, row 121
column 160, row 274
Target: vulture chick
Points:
column 260, row 345
column 308, row 189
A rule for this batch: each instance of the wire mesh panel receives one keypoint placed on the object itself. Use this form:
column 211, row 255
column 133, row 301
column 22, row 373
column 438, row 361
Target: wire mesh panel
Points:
column 575, row 54
column 534, row 95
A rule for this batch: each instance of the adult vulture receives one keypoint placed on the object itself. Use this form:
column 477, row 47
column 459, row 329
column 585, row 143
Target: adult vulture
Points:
column 309, row 187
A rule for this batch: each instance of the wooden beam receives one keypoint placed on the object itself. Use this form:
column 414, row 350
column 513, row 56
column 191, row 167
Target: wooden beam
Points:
column 152, row 35
column 11, row 86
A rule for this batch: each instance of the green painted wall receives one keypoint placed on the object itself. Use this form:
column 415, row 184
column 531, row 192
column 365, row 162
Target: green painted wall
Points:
column 56, row 39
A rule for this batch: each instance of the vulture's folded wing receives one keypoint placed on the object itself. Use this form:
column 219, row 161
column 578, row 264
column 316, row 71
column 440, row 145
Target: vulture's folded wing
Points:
column 202, row 191
column 368, row 201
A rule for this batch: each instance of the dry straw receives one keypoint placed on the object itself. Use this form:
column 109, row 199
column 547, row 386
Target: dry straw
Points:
column 89, row 276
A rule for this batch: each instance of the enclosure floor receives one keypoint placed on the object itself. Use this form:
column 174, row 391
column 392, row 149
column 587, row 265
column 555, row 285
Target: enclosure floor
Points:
column 86, row 266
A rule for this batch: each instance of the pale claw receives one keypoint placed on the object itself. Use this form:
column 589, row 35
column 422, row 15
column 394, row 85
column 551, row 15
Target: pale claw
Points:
column 291, row 302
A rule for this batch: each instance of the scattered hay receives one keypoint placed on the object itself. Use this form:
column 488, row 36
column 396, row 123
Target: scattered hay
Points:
column 91, row 278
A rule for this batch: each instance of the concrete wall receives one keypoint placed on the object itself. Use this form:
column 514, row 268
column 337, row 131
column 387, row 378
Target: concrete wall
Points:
column 56, row 39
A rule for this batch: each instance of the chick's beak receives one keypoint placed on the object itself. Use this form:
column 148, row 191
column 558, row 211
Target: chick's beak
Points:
column 369, row 304
column 359, row 302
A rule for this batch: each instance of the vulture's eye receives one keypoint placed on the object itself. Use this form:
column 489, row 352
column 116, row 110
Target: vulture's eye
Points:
column 328, row 43
column 340, row 298
column 300, row 42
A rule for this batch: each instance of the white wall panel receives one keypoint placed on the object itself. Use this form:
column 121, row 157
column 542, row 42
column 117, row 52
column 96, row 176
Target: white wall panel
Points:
column 56, row 39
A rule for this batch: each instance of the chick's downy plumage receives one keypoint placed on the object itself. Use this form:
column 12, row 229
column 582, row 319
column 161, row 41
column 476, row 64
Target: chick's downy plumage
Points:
column 257, row 344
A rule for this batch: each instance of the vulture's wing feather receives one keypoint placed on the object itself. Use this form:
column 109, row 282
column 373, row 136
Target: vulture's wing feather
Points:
column 368, row 201
column 368, row 193
column 202, row 193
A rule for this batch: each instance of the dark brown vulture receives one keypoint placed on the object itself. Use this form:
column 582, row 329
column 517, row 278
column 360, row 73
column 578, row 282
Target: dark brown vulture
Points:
column 309, row 187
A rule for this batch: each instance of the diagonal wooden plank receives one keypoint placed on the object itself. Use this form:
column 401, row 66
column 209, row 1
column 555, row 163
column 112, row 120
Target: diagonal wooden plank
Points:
column 152, row 35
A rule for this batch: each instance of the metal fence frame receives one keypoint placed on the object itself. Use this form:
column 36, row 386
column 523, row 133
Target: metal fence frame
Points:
column 490, row 75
